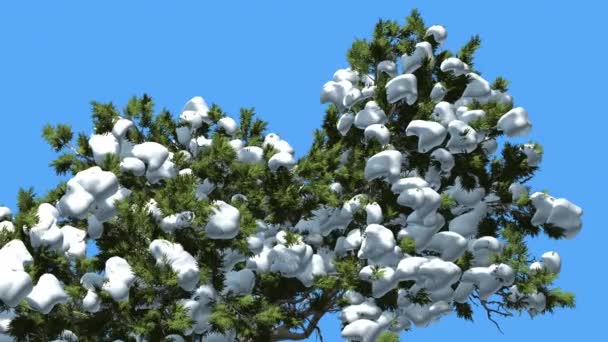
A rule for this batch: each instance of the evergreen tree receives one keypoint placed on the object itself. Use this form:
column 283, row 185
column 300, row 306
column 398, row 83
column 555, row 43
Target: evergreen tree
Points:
column 404, row 209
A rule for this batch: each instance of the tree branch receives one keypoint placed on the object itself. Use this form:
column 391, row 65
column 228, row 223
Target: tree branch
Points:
column 75, row 150
column 490, row 311
column 283, row 332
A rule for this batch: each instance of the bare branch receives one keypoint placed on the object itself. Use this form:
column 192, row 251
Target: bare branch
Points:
column 490, row 311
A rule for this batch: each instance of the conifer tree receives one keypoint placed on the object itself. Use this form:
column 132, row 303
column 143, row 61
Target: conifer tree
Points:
column 410, row 204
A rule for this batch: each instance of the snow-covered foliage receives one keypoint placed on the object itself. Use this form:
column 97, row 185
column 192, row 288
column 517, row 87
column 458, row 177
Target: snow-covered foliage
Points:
column 47, row 293
column 180, row 261
column 207, row 227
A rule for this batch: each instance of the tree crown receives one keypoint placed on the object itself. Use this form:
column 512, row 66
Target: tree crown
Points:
column 404, row 209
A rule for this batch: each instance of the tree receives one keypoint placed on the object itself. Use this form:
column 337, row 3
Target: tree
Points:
column 402, row 211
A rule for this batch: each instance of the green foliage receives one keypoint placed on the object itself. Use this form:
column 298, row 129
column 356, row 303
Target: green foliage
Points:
column 408, row 245
column 163, row 129
column 64, row 163
column 26, row 200
column 270, row 316
column 348, row 271
column 111, row 163
column 422, row 297
column 245, row 123
column 57, row 137
column 104, row 116
column 180, row 320
column 83, row 145
column 533, row 282
column 447, row 202
column 377, row 273
column 515, row 251
column 246, row 301
column 215, row 162
column 488, row 122
column 500, row 84
column 553, row 232
column 414, row 25
column 177, row 195
column 466, row 53
column 556, row 298
column 388, row 337
column 464, row 311
column 359, row 55
column 140, row 109
column 512, row 167
column 257, row 130
column 523, row 199
column 292, row 238
column 464, row 262
column 216, row 113
column 327, row 282
column 222, row 318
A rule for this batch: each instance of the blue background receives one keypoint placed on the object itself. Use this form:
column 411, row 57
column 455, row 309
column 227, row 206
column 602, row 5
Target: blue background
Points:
column 57, row 56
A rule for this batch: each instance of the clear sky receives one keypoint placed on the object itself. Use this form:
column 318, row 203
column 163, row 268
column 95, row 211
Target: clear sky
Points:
column 57, row 56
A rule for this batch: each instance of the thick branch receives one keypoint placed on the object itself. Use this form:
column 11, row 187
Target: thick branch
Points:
column 283, row 332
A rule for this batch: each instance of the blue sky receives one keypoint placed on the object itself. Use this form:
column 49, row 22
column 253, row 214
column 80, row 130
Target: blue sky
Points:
column 55, row 57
